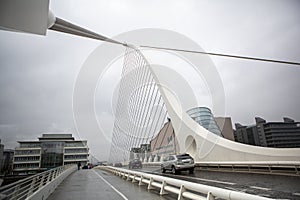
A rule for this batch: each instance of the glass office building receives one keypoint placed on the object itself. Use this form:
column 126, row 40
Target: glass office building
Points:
column 52, row 150
column 204, row 117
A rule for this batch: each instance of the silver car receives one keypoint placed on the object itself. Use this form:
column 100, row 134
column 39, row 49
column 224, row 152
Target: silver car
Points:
column 176, row 163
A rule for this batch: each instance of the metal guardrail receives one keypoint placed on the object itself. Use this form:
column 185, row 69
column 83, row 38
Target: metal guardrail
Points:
column 291, row 168
column 25, row 188
column 183, row 189
column 270, row 167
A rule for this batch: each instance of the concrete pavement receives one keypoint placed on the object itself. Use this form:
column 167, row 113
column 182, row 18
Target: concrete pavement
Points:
column 98, row 184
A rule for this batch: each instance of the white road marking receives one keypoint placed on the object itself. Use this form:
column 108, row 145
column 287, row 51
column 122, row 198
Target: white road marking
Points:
column 260, row 188
column 117, row 191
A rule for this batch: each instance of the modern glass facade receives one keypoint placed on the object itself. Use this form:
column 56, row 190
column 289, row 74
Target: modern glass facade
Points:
column 52, row 154
column 204, row 117
column 52, row 150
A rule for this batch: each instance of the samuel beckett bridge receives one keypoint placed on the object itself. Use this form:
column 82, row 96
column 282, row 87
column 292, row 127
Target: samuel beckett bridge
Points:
column 150, row 124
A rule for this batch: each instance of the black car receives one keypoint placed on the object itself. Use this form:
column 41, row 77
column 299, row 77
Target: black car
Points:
column 135, row 163
column 118, row 165
column 85, row 167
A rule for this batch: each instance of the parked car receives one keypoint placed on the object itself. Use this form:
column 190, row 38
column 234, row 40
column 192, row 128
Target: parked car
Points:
column 176, row 163
column 85, row 167
column 118, row 165
column 135, row 163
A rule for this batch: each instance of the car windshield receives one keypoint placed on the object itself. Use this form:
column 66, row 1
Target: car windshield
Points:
column 184, row 156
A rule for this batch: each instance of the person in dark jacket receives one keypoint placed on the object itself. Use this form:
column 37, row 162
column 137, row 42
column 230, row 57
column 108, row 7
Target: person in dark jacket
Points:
column 78, row 165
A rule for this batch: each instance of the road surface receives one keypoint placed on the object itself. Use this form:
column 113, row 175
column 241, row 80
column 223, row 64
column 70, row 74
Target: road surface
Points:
column 98, row 184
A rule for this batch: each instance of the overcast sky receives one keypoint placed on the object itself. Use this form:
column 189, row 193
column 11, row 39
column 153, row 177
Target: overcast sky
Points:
column 37, row 73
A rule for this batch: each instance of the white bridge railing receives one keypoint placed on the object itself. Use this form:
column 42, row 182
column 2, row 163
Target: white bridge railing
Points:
column 265, row 167
column 271, row 167
column 38, row 186
column 183, row 189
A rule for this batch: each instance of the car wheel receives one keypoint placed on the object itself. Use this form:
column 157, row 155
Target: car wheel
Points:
column 174, row 171
column 191, row 171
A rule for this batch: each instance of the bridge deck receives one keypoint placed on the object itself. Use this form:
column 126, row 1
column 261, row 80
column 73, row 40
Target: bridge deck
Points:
column 97, row 184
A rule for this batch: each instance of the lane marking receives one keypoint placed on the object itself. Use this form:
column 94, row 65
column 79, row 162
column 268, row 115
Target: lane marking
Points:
column 260, row 188
column 117, row 191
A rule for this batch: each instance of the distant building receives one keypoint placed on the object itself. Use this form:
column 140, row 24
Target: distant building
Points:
column 225, row 125
column 247, row 134
column 139, row 152
column 164, row 143
column 205, row 118
column 52, row 150
column 1, row 155
column 284, row 134
column 8, row 157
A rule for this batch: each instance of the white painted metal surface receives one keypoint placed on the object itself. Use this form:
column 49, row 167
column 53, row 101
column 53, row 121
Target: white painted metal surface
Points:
column 38, row 186
column 283, row 168
column 205, row 146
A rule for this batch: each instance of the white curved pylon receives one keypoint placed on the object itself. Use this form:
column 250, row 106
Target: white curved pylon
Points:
column 206, row 146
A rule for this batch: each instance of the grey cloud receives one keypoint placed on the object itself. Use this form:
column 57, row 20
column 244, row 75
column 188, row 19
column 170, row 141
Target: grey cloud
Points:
column 37, row 73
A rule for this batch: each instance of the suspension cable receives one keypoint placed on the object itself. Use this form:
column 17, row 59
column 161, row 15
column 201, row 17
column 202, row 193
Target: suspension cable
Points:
column 223, row 55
